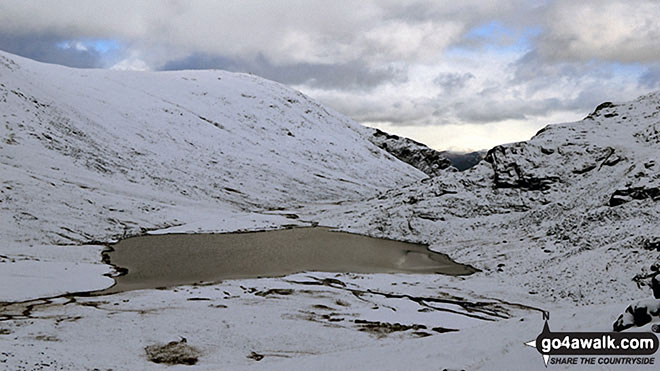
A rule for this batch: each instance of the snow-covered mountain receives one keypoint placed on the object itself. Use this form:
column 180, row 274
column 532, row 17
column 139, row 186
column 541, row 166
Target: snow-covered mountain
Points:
column 88, row 154
column 571, row 214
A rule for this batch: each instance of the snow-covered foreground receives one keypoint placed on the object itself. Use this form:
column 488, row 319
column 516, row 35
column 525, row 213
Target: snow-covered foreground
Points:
column 562, row 223
column 305, row 321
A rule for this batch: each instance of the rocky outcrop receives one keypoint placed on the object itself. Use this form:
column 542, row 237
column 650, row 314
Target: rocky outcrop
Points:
column 621, row 196
column 418, row 155
column 428, row 160
column 513, row 168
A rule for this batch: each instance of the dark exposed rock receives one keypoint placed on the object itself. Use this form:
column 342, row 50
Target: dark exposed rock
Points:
column 612, row 160
column 584, row 169
column 636, row 315
column 442, row 330
column 621, row 196
column 384, row 328
column 547, row 151
column 508, row 172
column 655, row 286
column 173, row 353
column 274, row 292
column 651, row 243
column 599, row 108
column 256, row 356
column 650, row 135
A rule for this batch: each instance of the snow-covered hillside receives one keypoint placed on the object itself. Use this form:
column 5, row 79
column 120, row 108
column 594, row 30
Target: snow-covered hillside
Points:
column 91, row 155
column 571, row 214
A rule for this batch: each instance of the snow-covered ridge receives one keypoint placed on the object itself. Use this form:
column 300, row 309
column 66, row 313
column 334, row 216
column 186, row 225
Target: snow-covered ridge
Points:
column 568, row 214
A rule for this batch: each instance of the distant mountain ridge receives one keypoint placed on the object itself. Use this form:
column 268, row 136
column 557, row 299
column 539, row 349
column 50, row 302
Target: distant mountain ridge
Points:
column 428, row 160
column 464, row 160
column 418, row 155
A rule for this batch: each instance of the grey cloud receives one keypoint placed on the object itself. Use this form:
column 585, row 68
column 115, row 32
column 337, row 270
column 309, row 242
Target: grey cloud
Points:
column 401, row 110
column 293, row 31
column 353, row 75
column 532, row 67
column 472, row 12
column 452, row 82
column 493, row 110
column 592, row 81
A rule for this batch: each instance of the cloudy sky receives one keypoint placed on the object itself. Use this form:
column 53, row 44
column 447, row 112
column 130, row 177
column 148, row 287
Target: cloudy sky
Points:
column 459, row 75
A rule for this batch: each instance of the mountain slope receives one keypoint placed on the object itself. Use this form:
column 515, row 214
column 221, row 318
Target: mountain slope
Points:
column 96, row 147
column 571, row 214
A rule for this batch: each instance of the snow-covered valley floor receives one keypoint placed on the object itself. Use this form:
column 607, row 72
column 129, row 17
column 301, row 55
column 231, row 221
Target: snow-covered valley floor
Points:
column 565, row 223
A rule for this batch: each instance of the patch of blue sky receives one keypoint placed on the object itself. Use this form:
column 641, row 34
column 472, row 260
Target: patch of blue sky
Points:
column 488, row 30
column 496, row 38
column 628, row 69
column 102, row 46
column 616, row 70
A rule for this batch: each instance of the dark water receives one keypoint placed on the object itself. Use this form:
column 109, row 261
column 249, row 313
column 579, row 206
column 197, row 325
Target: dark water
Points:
column 176, row 259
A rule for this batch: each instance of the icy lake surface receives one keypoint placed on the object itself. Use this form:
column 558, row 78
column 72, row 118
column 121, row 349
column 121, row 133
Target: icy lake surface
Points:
column 176, row 259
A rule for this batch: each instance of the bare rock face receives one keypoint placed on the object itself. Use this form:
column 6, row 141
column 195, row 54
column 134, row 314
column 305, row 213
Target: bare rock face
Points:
column 515, row 167
column 428, row 160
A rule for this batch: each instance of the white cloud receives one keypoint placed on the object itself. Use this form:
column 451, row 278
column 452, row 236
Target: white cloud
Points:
column 616, row 30
column 284, row 31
